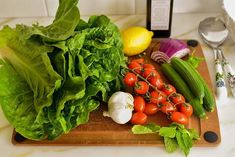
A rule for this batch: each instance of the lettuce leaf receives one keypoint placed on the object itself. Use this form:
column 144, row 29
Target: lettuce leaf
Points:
column 30, row 60
column 16, row 99
column 66, row 20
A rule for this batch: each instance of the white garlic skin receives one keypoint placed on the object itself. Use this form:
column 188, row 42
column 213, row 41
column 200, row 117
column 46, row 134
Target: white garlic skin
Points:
column 120, row 107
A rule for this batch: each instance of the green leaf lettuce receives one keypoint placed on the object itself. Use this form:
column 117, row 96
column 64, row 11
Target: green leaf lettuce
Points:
column 53, row 76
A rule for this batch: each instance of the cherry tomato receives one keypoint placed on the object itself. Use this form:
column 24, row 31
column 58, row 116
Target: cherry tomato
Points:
column 135, row 66
column 156, row 81
column 162, row 97
column 139, row 60
column 139, row 118
column 154, row 97
column 179, row 118
column 177, row 98
column 148, row 73
column 168, row 89
column 139, row 103
column 150, row 108
column 130, row 79
column 149, row 66
column 167, row 107
column 141, row 87
column 186, row 109
column 157, row 97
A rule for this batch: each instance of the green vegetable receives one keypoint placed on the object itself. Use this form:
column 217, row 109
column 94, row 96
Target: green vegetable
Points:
column 171, row 144
column 66, row 20
column 147, row 129
column 183, row 88
column 189, row 76
column 208, row 100
column 167, row 132
column 175, row 135
column 17, row 100
column 52, row 77
column 193, row 60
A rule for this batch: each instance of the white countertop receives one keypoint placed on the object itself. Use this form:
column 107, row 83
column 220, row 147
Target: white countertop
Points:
column 184, row 27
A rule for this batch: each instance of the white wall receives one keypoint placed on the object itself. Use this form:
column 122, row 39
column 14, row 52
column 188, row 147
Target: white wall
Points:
column 30, row 8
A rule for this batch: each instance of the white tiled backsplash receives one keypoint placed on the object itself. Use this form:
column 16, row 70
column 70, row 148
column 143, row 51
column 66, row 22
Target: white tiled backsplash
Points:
column 32, row 8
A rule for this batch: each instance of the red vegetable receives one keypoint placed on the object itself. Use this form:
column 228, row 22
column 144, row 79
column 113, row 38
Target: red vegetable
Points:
column 154, row 97
column 130, row 79
column 170, row 48
column 150, row 108
column 141, row 87
column 186, row 109
column 139, row 103
column 139, row 60
column 148, row 73
column 149, row 66
column 179, row 118
column 168, row 89
column 156, row 82
column 135, row 67
column 167, row 107
column 177, row 98
column 162, row 97
column 139, row 118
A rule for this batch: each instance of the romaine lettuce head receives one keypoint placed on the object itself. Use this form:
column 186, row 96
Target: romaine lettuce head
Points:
column 52, row 77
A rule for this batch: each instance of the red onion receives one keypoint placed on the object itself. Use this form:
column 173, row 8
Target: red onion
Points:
column 170, row 48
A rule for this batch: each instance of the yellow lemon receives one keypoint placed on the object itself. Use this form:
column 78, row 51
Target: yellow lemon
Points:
column 136, row 40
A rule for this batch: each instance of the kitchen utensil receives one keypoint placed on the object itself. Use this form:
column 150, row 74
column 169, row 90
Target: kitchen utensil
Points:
column 214, row 32
column 229, row 73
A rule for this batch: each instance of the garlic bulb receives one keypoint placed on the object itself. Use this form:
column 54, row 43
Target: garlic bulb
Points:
column 120, row 107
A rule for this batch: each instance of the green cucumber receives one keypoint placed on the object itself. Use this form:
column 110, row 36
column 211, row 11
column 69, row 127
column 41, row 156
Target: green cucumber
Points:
column 208, row 100
column 189, row 75
column 176, row 80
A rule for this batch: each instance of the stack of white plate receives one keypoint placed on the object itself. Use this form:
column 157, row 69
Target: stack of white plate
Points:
column 229, row 16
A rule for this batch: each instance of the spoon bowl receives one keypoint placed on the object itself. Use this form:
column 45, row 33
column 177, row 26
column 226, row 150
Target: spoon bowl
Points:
column 213, row 31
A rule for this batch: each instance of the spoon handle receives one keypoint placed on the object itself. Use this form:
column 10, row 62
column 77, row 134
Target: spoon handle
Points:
column 219, row 77
column 229, row 73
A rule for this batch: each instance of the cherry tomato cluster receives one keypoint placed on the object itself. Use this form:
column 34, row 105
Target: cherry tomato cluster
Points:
column 151, row 94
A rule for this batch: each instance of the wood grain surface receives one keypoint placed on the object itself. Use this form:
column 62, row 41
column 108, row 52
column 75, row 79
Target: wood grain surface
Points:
column 103, row 131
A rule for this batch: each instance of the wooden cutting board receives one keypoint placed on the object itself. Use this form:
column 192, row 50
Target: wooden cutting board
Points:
column 103, row 131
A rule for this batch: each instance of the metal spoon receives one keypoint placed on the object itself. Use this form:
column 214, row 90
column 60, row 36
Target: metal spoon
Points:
column 214, row 32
